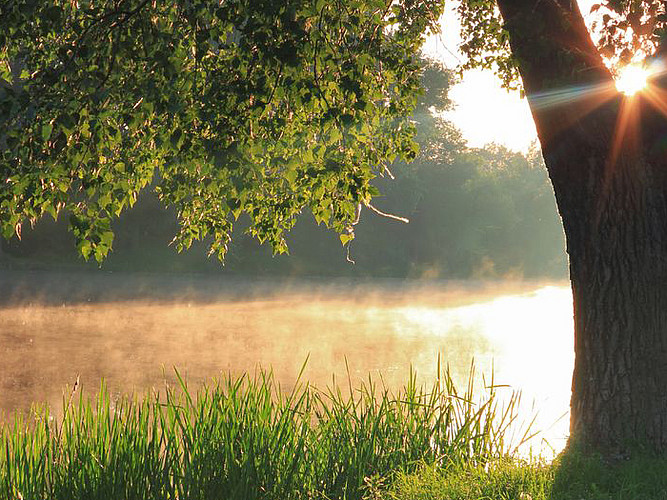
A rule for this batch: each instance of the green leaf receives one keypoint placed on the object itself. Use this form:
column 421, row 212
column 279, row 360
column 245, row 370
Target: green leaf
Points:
column 46, row 131
column 176, row 138
column 85, row 249
column 345, row 238
column 106, row 238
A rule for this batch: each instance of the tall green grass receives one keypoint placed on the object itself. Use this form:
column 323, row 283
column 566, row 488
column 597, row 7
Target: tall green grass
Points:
column 246, row 438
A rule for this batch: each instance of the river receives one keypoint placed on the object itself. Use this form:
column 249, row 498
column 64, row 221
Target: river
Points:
column 132, row 330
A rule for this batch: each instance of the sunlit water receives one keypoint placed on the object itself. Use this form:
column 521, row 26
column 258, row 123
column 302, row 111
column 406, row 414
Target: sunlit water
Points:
column 520, row 333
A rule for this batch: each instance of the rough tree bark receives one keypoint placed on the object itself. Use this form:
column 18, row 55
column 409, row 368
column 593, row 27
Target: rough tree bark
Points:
column 608, row 167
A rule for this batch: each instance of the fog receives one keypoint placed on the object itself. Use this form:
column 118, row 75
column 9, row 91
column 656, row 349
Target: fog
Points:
column 484, row 213
column 132, row 330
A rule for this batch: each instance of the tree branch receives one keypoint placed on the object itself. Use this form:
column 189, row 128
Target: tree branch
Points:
column 556, row 57
column 552, row 44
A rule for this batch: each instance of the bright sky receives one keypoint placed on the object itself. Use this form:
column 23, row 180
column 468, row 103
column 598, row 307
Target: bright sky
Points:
column 484, row 111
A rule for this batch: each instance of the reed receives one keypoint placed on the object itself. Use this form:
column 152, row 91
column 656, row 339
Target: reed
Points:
column 246, row 438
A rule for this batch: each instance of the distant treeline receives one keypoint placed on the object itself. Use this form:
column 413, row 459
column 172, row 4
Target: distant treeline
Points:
column 473, row 213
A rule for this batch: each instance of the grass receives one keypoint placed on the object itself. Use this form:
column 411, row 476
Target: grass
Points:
column 583, row 475
column 246, row 438
column 503, row 479
column 574, row 475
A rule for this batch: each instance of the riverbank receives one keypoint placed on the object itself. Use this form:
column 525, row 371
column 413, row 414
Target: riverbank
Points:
column 245, row 438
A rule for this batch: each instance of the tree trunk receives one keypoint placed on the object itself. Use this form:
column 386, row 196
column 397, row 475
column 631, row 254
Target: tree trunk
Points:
column 617, row 245
column 608, row 168
column 620, row 374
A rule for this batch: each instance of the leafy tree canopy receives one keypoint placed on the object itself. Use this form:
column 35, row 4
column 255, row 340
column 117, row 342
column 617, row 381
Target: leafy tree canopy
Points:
column 473, row 213
column 624, row 31
column 263, row 107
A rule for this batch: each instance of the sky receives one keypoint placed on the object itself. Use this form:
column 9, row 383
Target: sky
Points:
column 484, row 112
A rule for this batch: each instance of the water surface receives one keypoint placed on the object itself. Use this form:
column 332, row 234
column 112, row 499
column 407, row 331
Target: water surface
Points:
column 132, row 331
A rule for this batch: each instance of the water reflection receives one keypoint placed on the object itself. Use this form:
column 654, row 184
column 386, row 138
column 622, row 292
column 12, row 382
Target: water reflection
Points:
column 523, row 334
column 529, row 346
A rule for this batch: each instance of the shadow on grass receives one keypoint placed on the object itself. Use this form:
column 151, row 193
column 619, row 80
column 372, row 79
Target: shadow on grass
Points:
column 574, row 475
column 580, row 475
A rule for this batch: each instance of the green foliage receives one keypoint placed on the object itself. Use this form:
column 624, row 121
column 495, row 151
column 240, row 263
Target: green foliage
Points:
column 436, row 80
column 628, row 27
column 623, row 30
column 255, row 107
column 485, row 41
column 247, row 438
column 473, row 212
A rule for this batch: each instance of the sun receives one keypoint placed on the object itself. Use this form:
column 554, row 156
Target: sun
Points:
column 632, row 79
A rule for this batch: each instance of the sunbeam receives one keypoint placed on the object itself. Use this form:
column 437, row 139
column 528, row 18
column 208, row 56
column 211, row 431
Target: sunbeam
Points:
column 594, row 95
column 625, row 135
column 571, row 104
column 632, row 79
column 636, row 82
column 657, row 97
column 655, row 92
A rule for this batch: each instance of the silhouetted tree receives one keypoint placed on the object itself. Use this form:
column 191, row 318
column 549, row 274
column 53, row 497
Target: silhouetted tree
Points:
column 607, row 160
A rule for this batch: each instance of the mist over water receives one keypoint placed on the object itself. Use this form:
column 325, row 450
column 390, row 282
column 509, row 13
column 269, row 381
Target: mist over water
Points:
column 131, row 330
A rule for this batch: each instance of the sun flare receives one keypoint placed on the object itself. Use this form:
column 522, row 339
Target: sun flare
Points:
column 632, row 79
